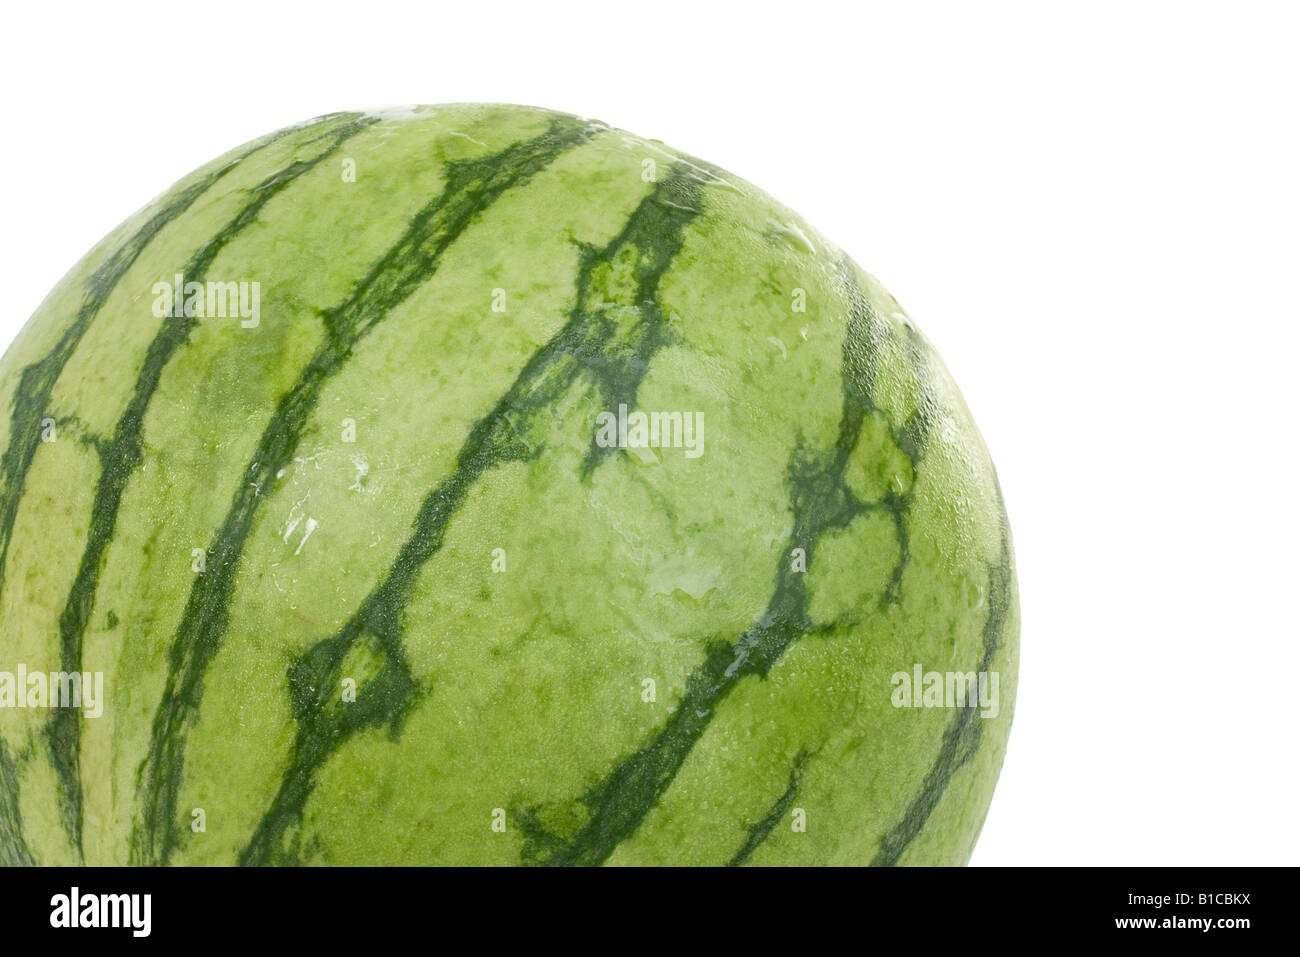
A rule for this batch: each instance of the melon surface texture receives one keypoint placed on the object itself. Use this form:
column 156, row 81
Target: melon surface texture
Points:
column 499, row 488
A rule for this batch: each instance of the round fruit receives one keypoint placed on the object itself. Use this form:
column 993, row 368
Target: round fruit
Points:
column 482, row 484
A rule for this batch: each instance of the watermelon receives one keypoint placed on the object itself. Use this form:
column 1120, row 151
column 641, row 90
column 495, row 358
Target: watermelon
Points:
column 480, row 484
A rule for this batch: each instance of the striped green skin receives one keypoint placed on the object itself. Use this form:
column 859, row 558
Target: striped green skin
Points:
column 500, row 716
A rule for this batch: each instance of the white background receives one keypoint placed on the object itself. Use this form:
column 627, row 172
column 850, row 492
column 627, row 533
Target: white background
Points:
column 1092, row 209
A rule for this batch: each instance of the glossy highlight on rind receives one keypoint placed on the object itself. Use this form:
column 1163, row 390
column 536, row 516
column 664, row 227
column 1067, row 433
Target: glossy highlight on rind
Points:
column 878, row 785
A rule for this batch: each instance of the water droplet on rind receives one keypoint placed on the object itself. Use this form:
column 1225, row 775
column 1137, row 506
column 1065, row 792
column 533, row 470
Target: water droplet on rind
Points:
column 792, row 236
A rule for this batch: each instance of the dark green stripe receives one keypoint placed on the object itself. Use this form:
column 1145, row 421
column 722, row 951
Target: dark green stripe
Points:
column 763, row 828
column 122, row 454
column 961, row 739
column 820, row 501
column 13, row 849
column 611, row 334
column 31, row 401
column 471, row 187
column 911, row 438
